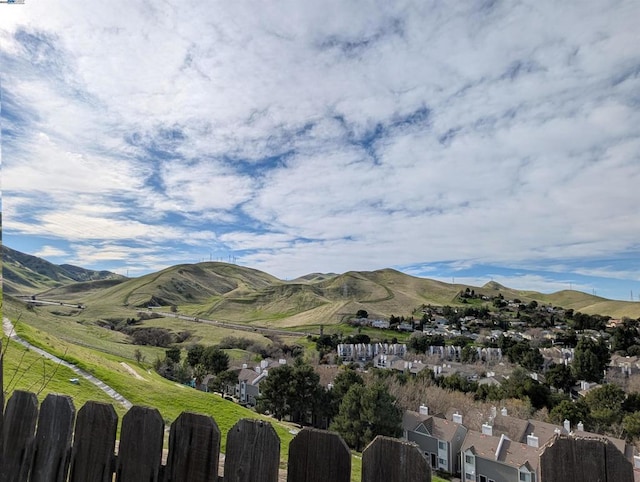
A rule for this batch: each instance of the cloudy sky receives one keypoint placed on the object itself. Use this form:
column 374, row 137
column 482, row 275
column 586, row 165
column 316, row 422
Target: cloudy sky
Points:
column 462, row 141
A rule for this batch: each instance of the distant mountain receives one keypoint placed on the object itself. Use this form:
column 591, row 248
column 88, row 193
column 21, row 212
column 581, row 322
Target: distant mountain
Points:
column 27, row 274
column 230, row 292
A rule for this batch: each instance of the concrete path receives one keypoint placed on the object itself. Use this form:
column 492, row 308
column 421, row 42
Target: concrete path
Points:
column 9, row 331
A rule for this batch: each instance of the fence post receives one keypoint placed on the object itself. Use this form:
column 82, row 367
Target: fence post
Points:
column 409, row 464
column 194, row 449
column 140, row 451
column 52, row 447
column 1, row 401
column 253, row 452
column 21, row 416
column 318, row 456
column 579, row 459
column 92, row 456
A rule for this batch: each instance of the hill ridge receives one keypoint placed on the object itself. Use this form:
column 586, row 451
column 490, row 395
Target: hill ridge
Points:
column 231, row 292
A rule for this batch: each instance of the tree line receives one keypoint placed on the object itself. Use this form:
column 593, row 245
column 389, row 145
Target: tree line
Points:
column 358, row 411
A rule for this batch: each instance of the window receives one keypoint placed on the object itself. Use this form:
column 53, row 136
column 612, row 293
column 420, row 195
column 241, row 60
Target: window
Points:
column 442, row 463
column 469, row 477
column 483, row 478
column 468, row 459
column 525, row 477
column 442, row 445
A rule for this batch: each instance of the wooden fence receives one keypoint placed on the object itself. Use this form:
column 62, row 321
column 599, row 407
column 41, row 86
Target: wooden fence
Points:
column 51, row 443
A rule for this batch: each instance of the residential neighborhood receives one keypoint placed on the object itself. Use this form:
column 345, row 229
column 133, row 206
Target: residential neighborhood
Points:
column 507, row 449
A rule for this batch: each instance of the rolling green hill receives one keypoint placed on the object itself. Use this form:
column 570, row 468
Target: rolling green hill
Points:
column 26, row 274
column 232, row 293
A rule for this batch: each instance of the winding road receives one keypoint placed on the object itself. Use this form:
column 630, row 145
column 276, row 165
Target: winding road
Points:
column 10, row 332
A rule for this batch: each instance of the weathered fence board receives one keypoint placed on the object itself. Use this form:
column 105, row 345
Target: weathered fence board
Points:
column 318, row 456
column 18, row 432
column 194, row 449
column 568, row 459
column 410, row 465
column 140, row 451
column 1, row 401
column 52, row 446
column 253, row 452
column 92, row 456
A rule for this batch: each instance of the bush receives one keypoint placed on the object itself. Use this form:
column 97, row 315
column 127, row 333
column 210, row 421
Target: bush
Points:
column 151, row 336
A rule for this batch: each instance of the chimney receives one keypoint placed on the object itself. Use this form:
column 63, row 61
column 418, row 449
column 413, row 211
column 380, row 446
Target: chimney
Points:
column 567, row 425
column 503, row 437
column 532, row 440
column 504, row 411
column 457, row 418
column 580, row 426
column 487, row 429
column 424, row 410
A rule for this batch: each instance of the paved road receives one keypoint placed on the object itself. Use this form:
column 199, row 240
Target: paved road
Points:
column 9, row 331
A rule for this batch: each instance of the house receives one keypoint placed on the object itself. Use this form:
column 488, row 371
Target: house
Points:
column 247, row 388
column 406, row 326
column 385, row 361
column 486, row 458
column 439, row 439
column 533, row 434
column 382, row 324
column 506, row 449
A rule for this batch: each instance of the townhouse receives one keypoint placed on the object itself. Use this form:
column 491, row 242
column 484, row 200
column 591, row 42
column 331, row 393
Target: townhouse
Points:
column 506, row 449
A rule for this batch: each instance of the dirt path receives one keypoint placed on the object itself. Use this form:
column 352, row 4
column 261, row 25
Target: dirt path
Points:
column 133, row 373
column 10, row 332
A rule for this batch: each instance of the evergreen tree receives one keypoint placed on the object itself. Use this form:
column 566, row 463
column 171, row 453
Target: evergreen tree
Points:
column 560, row 377
column 591, row 359
column 215, row 360
column 291, row 391
column 341, row 385
column 305, row 384
column 194, row 355
column 173, row 354
column 605, row 406
column 275, row 394
column 366, row 412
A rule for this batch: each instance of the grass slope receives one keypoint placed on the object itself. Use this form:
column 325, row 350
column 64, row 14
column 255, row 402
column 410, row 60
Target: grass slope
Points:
column 228, row 292
column 26, row 274
column 150, row 389
column 169, row 398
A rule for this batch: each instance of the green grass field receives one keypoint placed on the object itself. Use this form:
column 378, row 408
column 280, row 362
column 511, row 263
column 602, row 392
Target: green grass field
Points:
column 26, row 370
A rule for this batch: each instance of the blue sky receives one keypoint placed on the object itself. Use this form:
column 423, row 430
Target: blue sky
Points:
column 452, row 140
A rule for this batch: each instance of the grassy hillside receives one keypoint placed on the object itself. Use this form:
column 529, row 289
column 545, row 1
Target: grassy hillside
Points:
column 150, row 389
column 88, row 329
column 232, row 293
column 27, row 371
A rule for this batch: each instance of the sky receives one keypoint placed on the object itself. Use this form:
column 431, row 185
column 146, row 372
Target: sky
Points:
column 460, row 141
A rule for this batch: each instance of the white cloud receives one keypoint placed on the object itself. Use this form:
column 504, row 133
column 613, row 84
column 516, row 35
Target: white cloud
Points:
column 326, row 137
column 50, row 251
